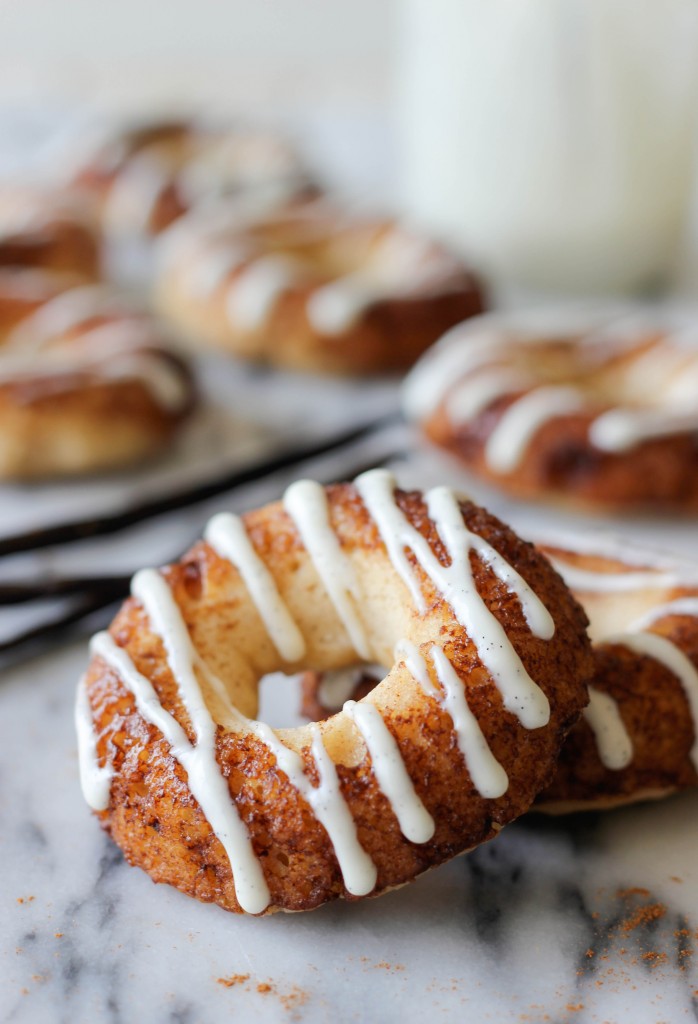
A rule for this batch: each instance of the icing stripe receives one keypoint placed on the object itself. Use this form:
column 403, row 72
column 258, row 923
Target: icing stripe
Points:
column 487, row 774
column 328, row 803
column 416, row 824
column 613, row 742
column 660, row 649
column 619, row 430
column 255, row 291
column 478, row 391
column 415, row 664
column 95, row 781
column 206, row 781
column 521, row 695
column 507, row 444
column 681, row 606
column 228, row 537
column 589, row 581
column 306, row 503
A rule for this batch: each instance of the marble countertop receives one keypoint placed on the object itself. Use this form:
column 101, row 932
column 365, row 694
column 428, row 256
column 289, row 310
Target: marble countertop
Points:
column 585, row 919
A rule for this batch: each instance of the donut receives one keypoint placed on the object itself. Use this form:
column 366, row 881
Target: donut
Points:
column 49, row 230
column 87, row 382
column 143, row 177
column 637, row 738
column 489, row 659
column 592, row 409
column 311, row 288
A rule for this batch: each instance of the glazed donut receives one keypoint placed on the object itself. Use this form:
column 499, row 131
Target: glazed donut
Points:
column 312, row 288
column 636, row 739
column 594, row 410
column 146, row 176
column 87, row 382
column 489, row 660
column 49, row 230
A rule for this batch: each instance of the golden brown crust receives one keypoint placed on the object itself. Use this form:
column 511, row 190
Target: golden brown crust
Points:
column 386, row 335
column 76, row 399
column 52, row 231
column 565, row 459
column 153, row 816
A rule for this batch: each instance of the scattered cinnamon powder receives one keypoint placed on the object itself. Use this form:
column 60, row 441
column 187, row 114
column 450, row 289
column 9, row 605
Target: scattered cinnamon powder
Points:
column 654, row 959
column 574, row 1007
column 636, row 890
column 25, row 899
column 675, row 878
column 643, row 916
column 264, row 987
column 234, row 979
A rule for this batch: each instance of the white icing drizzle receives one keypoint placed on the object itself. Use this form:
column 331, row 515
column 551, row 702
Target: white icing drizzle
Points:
column 661, row 649
column 210, row 268
column 254, row 292
column 416, row 824
column 507, row 444
column 613, row 742
column 489, row 777
column 206, row 780
column 95, row 779
column 474, row 394
column 521, row 695
column 591, row 581
column 136, row 189
column 415, row 664
column 460, row 350
column 619, row 430
column 66, row 311
column 328, row 804
column 228, row 537
column 681, row 606
column 306, row 503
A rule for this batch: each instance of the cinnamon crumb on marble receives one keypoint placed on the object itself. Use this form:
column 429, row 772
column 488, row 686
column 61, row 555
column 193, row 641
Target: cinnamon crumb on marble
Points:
column 234, row 979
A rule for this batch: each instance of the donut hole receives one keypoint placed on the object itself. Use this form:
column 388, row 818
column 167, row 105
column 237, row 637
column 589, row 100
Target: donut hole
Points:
column 288, row 701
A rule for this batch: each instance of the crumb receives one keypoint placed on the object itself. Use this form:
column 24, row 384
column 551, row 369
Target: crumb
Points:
column 25, row 899
column 58, row 935
column 635, row 890
column 234, row 979
column 574, row 1007
column 293, row 999
column 264, row 987
column 675, row 878
column 589, row 953
column 654, row 958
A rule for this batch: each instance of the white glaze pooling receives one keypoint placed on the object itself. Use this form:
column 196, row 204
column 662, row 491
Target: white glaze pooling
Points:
column 520, row 694
column 306, row 503
column 613, row 742
column 95, row 779
column 416, row 824
column 228, row 537
column 507, row 444
column 206, row 780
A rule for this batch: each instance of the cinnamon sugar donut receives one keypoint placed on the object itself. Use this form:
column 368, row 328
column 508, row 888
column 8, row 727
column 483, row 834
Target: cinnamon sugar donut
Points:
column 49, row 230
column 594, row 410
column 637, row 737
column 311, row 288
column 86, row 381
column 489, row 659
column 146, row 176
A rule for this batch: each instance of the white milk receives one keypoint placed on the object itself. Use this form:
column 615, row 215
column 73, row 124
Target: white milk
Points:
column 552, row 140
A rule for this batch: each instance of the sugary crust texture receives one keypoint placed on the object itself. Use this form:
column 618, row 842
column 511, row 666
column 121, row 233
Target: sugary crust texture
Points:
column 387, row 336
column 158, row 824
column 562, row 467
column 651, row 701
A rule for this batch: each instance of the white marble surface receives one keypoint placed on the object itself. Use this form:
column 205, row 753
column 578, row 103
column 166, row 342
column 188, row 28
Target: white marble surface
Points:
column 544, row 925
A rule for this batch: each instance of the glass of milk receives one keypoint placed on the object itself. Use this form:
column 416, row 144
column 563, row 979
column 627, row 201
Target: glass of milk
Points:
column 553, row 141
